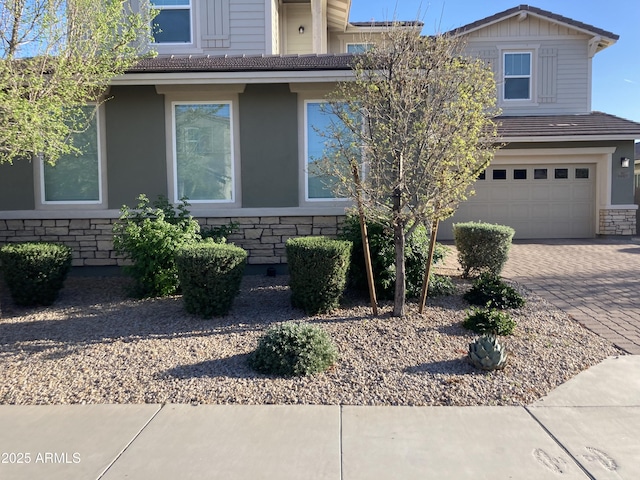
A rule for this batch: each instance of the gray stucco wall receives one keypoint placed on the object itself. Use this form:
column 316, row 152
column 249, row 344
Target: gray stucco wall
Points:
column 16, row 186
column 621, row 178
column 136, row 158
column 269, row 146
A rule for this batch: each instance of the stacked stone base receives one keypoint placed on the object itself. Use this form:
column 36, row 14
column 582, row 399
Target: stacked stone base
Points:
column 264, row 238
column 617, row 222
column 92, row 239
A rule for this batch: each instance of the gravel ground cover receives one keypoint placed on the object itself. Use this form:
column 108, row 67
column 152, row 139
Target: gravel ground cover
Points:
column 95, row 345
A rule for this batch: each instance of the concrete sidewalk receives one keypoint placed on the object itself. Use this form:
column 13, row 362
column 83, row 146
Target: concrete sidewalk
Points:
column 585, row 429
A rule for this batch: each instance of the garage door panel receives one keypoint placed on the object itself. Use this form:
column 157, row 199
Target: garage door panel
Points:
column 561, row 193
column 535, row 207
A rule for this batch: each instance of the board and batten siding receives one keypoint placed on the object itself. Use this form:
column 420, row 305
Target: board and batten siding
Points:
column 560, row 68
column 531, row 26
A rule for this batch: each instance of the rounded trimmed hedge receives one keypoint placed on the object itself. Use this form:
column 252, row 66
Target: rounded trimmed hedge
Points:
column 318, row 268
column 210, row 275
column 35, row 271
column 293, row 349
column 482, row 247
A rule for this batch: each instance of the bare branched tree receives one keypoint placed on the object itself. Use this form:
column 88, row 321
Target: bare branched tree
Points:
column 417, row 121
column 57, row 56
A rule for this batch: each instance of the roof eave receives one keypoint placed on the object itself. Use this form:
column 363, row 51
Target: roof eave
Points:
column 606, row 37
column 222, row 78
column 568, row 138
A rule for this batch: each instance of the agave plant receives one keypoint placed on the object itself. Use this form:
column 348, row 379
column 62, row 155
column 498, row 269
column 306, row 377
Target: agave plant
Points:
column 487, row 353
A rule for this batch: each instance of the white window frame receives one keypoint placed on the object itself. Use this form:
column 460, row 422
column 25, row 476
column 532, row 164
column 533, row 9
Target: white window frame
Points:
column 532, row 50
column 506, row 77
column 173, row 173
column 43, row 203
column 305, row 157
column 190, row 7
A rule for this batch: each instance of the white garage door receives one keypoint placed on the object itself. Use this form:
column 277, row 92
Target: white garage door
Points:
column 538, row 201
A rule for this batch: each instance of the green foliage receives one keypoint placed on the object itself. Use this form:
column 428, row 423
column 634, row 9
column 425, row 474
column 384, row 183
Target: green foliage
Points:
column 149, row 236
column 210, row 275
column 293, row 349
column 318, row 269
column 482, row 247
column 56, row 57
column 383, row 257
column 490, row 290
column 440, row 285
column 219, row 233
column 35, row 272
column 488, row 320
column 487, row 353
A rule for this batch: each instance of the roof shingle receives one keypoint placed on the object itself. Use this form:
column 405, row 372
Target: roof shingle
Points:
column 596, row 124
column 243, row 63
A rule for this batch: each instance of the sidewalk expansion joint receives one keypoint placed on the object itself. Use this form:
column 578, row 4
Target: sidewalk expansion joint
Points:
column 562, row 447
column 126, row 447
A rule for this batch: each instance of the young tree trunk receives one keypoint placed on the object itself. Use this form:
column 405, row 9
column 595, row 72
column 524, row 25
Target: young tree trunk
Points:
column 400, row 291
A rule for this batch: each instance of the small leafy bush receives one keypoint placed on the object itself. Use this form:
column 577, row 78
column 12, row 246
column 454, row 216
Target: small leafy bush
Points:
column 383, row 257
column 490, row 290
column 482, row 247
column 318, row 268
column 210, row 275
column 219, row 233
column 149, row 236
column 440, row 285
column 35, row 272
column 293, row 349
column 487, row 320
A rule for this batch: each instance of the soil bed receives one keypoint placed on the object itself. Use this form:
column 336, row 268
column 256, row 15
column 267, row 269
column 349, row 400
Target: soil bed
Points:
column 95, row 345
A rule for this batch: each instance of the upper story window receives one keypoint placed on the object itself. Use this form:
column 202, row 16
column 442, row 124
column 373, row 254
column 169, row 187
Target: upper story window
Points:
column 172, row 24
column 203, row 168
column 517, row 76
column 358, row 47
column 76, row 179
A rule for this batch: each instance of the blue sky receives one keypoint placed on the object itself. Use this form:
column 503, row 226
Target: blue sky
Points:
column 616, row 70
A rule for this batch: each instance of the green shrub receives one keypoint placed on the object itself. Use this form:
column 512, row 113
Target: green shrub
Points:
column 210, row 275
column 440, row 285
column 318, row 269
column 486, row 320
column 149, row 236
column 482, row 247
column 490, row 290
column 383, row 257
column 219, row 233
column 293, row 349
column 35, row 272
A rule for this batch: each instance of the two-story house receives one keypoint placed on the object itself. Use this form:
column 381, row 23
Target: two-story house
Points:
column 227, row 115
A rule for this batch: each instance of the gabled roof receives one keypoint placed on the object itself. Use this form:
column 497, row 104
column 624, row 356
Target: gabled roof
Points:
column 538, row 12
column 595, row 125
column 243, row 63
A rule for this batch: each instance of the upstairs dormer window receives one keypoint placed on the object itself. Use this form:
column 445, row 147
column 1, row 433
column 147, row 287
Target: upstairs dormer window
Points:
column 172, row 24
column 517, row 76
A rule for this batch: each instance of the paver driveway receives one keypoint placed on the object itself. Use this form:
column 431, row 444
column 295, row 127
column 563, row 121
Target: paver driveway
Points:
column 596, row 281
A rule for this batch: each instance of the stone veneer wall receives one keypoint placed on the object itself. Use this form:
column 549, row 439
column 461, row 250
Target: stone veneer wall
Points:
column 92, row 239
column 617, row 222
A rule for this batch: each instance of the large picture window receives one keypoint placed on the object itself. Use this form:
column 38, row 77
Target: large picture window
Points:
column 517, row 76
column 203, row 153
column 172, row 24
column 76, row 178
column 319, row 122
